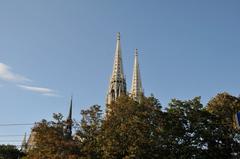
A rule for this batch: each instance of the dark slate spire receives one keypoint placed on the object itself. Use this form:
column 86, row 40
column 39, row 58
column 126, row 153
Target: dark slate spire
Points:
column 70, row 111
column 68, row 130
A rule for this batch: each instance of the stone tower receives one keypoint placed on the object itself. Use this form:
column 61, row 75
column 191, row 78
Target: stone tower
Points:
column 24, row 144
column 117, row 85
column 136, row 89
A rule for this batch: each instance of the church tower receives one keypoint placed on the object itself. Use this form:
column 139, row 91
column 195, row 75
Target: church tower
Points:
column 117, row 86
column 68, row 129
column 136, row 89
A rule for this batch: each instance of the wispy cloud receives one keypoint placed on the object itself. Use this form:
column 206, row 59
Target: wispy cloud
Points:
column 7, row 75
column 40, row 90
column 52, row 95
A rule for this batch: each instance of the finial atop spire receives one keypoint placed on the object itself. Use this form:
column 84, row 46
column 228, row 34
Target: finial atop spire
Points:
column 118, row 35
column 136, row 52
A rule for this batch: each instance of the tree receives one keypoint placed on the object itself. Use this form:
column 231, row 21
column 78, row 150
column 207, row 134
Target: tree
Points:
column 50, row 141
column 131, row 130
column 9, row 152
column 191, row 131
column 89, row 132
column 142, row 130
column 224, row 107
column 183, row 124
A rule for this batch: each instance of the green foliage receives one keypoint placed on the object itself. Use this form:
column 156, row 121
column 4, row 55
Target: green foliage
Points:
column 9, row 152
column 50, row 141
column 191, row 131
column 182, row 121
column 89, row 132
column 225, row 107
column 186, row 129
column 131, row 130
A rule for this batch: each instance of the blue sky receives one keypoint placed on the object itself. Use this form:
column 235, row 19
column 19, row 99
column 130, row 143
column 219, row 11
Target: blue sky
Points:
column 50, row 50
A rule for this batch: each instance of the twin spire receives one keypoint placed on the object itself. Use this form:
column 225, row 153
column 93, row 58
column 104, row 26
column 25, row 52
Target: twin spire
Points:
column 136, row 89
column 117, row 84
column 117, row 87
column 117, row 73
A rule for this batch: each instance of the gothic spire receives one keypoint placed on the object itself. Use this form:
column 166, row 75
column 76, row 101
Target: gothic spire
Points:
column 24, row 143
column 136, row 90
column 118, row 66
column 68, row 129
column 70, row 111
column 117, row 84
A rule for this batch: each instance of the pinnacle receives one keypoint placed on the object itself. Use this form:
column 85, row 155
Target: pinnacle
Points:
column 118, row 35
